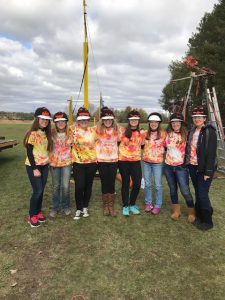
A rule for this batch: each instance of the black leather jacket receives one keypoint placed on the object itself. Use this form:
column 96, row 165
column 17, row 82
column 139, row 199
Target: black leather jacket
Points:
column 206, row 149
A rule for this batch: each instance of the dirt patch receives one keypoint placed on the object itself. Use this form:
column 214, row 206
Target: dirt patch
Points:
column 15, row 122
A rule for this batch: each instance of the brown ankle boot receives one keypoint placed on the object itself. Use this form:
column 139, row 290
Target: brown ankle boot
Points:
column 175, row 212
column 105, row 201
column 112, row 198
column 191, row 215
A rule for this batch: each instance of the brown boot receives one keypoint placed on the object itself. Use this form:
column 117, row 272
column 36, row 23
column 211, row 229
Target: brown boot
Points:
column 175, row 212
column 112, row 198
column 105, row 204
column 191, row 215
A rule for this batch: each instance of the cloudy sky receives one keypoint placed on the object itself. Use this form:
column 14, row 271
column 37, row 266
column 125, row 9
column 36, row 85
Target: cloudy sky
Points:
column 133, row 42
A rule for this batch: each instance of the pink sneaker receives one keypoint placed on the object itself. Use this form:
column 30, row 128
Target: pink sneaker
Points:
column 148, row 207
column 155, row 211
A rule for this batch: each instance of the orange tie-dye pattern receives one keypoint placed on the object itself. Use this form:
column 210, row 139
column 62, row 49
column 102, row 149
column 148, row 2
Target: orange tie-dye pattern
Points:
column 154, row 149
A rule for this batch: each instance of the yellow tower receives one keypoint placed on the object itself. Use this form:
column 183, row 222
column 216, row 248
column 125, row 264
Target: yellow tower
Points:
column 85, row 54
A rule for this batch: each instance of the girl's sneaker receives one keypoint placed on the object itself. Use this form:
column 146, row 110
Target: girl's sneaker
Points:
column 126, row 211
column 85, row 212
column 148, row 207
column 135, row 210
column 53, row 213
column 33, row 221
column 155, row 211
column 67, row 211
column 41, row 218
column 78, row 214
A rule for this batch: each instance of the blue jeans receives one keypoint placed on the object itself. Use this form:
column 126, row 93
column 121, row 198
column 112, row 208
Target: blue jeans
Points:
column 155, row 170
column 38, row 186
column 61, row 185
column 178, row 175
column 201, row 186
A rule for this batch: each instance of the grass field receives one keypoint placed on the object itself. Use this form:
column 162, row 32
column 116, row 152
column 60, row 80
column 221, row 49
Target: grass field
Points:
column 140, row 257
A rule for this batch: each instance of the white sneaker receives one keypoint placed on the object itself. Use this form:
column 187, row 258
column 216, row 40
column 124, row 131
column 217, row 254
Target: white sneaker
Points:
column 85, row 212
column 77, row 215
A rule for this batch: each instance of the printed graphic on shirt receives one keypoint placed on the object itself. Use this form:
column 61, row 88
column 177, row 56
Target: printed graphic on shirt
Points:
column 175, row 149
column 194, row 141
column 106, row 145
column 60, row 156
column 154, row 148
column 130, row 149
column 40, row 143
column 83, row 144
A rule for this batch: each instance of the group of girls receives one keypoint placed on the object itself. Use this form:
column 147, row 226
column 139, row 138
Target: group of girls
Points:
column 107, row 147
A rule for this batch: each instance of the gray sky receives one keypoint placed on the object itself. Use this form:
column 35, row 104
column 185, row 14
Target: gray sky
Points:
column 133, row 42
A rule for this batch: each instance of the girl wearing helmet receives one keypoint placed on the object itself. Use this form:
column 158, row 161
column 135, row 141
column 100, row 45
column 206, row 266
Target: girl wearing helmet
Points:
column 153, row 162
column 38, row 143
column 60, row 165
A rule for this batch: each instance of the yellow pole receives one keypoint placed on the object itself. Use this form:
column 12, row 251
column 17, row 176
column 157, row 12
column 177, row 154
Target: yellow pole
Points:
column 70, row 109
column 85, row 54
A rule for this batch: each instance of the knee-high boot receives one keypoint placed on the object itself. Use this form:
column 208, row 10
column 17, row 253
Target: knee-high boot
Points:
column 105, row 201
column 112, row 198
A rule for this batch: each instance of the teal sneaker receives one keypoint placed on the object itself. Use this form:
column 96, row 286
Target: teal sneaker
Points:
column 126, row 211
column 135, row 210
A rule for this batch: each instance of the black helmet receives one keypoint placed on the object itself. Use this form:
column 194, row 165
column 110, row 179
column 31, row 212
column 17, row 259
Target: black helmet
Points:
column 134, row 115
column 83, row 114
column 176, row 117
column 107, row 114
column 42, row 113
column 199, row 111
column 155, row 117
column 60, row 116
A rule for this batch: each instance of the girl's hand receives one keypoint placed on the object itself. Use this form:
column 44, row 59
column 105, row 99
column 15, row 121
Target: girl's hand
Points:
column 206, row 177
column 37, row 173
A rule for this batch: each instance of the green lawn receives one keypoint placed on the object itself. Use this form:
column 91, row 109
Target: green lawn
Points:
column 140, row 257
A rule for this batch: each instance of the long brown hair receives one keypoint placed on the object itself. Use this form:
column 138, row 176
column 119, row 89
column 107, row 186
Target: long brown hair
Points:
column 183, row 131
column 34, row 127
column 150, row 131
column 128, row 131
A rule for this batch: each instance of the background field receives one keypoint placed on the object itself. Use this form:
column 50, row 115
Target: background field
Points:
column 140, row 257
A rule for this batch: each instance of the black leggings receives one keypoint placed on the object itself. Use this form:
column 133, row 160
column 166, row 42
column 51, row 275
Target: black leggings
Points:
column 130, row 169
column 84, row 176
column 107, row 172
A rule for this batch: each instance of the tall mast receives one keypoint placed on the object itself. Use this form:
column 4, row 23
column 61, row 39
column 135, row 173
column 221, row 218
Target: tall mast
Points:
column 85, row 54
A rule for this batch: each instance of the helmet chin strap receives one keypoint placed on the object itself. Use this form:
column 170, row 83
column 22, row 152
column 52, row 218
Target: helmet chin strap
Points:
column 154, row 130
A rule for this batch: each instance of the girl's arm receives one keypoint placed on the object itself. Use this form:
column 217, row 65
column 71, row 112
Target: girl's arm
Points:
column 32, row 160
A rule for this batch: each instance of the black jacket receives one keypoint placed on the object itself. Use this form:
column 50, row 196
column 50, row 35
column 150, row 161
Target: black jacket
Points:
column 206, row 149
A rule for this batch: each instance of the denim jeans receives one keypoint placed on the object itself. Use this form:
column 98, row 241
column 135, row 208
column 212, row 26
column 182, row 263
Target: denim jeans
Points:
column 38, row 186
column 178, row 175
column 201, row 187
column 155, row 170
column 61, row 187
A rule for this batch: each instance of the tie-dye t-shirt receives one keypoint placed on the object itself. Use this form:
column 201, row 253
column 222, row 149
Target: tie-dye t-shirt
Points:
column 175, row 149
column 194, row 141
column 130, row 149
column 107, row 145
column 40, row 144
column 154, row 148
column 83, row 144
column 60, row 156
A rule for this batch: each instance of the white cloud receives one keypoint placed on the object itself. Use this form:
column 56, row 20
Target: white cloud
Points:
column 134, row 41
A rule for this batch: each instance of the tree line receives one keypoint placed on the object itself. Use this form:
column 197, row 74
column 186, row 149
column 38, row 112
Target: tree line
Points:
column 207, row 46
